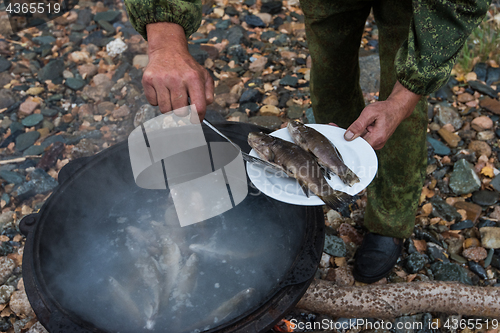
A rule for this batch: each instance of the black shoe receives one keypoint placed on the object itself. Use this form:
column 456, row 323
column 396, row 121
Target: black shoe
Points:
column 376, row 257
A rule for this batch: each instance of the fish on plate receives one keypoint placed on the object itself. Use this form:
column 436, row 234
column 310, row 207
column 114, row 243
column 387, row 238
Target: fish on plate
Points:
column 323, row 150
column 299, row 164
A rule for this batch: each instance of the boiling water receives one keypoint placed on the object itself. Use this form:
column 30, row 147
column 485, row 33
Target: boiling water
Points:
column 112, row 276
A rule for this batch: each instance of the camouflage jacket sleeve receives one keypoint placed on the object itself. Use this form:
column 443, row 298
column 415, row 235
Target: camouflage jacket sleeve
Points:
column 438, row 31
column 186, row 13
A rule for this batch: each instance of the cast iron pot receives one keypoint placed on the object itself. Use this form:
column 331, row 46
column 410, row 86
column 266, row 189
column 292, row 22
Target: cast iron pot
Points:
column 86, row 193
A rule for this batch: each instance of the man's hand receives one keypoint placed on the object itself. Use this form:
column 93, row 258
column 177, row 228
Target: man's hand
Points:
column 172, row 75
column 379, row 120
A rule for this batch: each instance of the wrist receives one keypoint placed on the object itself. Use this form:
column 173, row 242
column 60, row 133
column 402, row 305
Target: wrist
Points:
column 165, row 36
column 406, row 99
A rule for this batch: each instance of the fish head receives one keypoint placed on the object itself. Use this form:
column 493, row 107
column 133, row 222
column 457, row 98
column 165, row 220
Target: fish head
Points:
column 262, row 144
column 296, row 130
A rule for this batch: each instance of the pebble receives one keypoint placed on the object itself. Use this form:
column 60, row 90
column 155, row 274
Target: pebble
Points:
column 448, row 115
column 87, row 71
column 414, row 263
column 482, row 88
column 258, row 65
column 436, row 252
column 451, row 139
column 40, row 183
column 325, row 260
column 490, row 237
column 108, row 16
column 489, row 258
column 250, row 96
column 250, row 109
column 350, row 232
column 441, row 209
column 465, row 224
column 28, row 106
column 335, row 246
column 20, row 305
column 480, row 148
column 254, row 21
column 439, row 147
column 485, row 198
column 486, row 135
column 482, row 123
column 270, row 122
column 6, row 268
column 5, row 293
column 74, row 83
column 11, row 177
column 271, row 100
column 289, row 80
column 7, row 98
column 145, row 113
column 25, row 140
column 32, row 120
column 458, row 258
column 238, row 116
column 449, row 272
column 475, row 253
column 51, row 70
column 490, row 104
column 121, row 112
column 269, row 110
column 464, row 180
column 140, row 60
column 4, row 64
column 471, row 242
column 473, row 210
column 478, row 270
column 295, row 112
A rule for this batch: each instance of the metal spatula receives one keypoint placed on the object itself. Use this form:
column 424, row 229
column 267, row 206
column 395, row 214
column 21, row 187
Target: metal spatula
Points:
column 252, row 159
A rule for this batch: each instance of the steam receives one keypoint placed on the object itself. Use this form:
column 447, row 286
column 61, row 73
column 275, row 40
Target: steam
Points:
column 114, row 271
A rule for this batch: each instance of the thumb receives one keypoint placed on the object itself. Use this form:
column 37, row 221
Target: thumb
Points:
column 358, row 127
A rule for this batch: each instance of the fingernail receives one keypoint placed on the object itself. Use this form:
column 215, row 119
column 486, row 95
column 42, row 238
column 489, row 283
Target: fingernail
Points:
column 348, row 135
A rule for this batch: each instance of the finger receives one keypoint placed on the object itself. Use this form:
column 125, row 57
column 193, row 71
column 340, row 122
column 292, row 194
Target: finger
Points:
column 333, row 124
column 374, row 138
column 197, row 94
column 359, row 126
column 179, row 101
column 209, row 89
column 149, row 91
column 163, row 96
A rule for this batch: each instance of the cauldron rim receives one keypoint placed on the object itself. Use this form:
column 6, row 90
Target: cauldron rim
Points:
column 49, row 311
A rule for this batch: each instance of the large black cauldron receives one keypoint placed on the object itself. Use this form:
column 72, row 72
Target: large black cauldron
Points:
column 91, row 187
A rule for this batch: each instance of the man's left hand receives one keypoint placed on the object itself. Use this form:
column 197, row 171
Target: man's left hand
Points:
column 378, row 121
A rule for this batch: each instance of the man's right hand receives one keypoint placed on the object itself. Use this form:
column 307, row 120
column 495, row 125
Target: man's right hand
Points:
column 172, row 75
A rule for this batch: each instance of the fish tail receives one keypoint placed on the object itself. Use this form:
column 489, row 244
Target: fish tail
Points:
column 348, row 177
column 337, row 200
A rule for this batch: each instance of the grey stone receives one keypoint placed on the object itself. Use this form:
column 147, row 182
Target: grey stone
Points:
column 485, row 198
column 5, row 293
column 496, row 183
column 250, row 96
column 482, row 88
column 477, row 269
column 464, row 180
column 441, row 209
column 414, row 262
column 436, row 252
column 236, row 35
column 107, row 26
column 289, row 80
column 465, row 224
column 310, row 116
column 450, row 272
column 50, row 112
column 109, row 16
column 33, row 150
column 270, row 122
column 335, row 246
column 25, row 140
column 40, row 183
column 32, row 120
column 369, row 78
column 448, row 115
column 51, row 71
column 7, row 98
column 4, row 64
column 84, row 17
column 295, row 112
column 74, row 83
column 439, row 147
column 254, row 21
column 12, row 177
column 5, row 78
column 44, row 40
column 51, row 139
column 198, row 54
column 145, row 113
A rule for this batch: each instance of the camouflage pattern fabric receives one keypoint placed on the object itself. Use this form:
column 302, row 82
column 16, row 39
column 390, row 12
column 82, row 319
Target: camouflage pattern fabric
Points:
column 428, row 35
column 186, row 13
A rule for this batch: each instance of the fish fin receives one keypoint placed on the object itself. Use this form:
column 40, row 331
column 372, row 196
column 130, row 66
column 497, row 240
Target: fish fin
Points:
column 338, row 153
column 338, row 200
column 325, row 172
column 304, row 188
column 348, row 177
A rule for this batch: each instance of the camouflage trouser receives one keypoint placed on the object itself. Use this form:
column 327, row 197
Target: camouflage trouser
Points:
column 334, row 29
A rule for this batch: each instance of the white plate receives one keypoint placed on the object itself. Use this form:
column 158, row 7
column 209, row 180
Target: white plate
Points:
column 358, row 155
